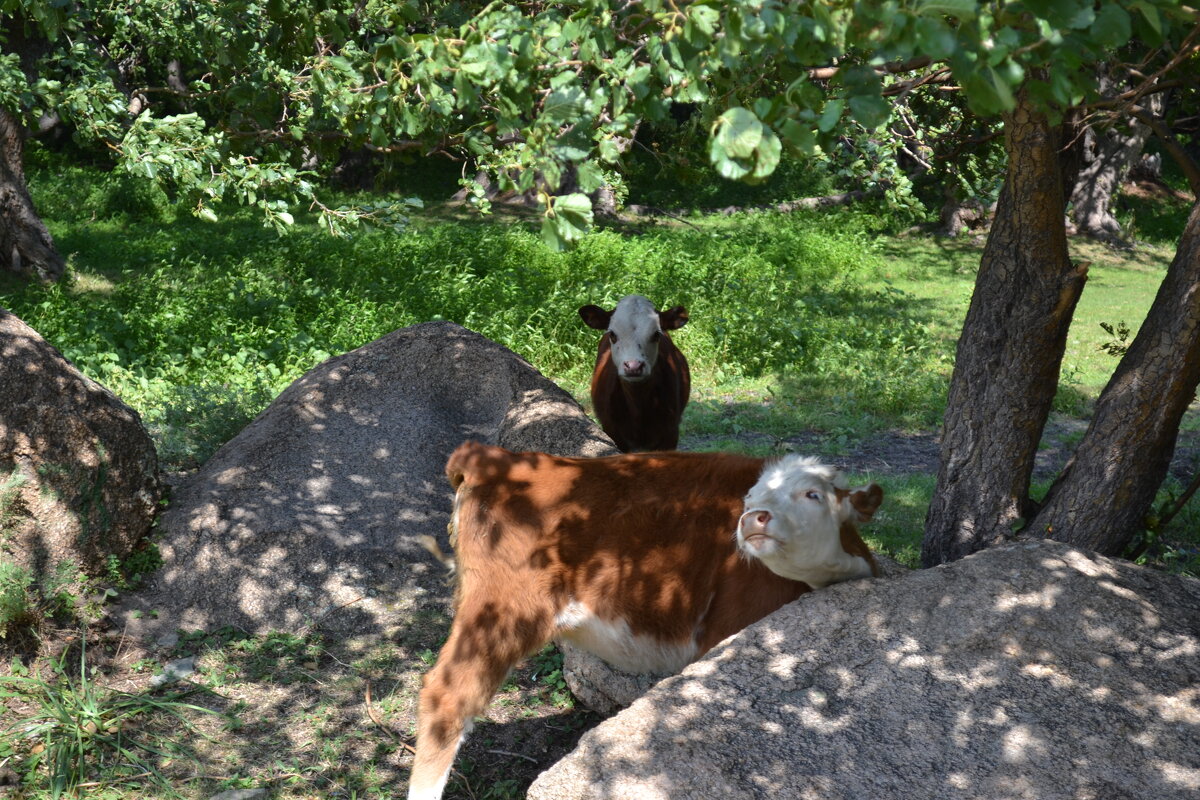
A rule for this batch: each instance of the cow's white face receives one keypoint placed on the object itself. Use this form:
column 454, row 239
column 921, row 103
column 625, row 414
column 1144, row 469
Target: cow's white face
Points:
column 793, row 518
column 634, row 333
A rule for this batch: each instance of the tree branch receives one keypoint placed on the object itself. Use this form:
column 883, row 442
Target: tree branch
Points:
column 1189, row 168
column 827, row 73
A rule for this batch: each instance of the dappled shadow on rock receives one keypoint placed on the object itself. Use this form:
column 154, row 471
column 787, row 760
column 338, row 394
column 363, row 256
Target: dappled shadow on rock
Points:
column 1026, row 671
column 310, row 517
column 78, row 476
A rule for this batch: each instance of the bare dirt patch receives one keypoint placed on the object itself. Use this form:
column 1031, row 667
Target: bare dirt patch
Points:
column 900, row 453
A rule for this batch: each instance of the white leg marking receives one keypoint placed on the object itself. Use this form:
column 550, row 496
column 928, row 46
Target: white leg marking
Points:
column 435, row 791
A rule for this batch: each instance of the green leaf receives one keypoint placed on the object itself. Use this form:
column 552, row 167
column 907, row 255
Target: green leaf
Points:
column 1150, row 14
column 576, row 208
column 871, row 112
column 551, row 235
column 934, row 37
column 1003, row 92
column 589, row 176
column 799, row 138
column 705, row 18
column 830, row 116
column 738, row 132
column 574, row 144
column 565, row 104
column 567, row 220
column 1112, row 27
column 1083, row 18
column 486, row 62
column 609, row 151
column 768, row 153
column 732, row 168
column 958, row 9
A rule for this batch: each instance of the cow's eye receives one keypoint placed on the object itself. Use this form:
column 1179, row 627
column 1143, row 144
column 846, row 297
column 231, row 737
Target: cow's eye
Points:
column 813, row 494
column 654, row 337
column 612, row 336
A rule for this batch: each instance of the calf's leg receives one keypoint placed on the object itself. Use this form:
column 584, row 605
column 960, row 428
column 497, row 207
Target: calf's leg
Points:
column 486, row 641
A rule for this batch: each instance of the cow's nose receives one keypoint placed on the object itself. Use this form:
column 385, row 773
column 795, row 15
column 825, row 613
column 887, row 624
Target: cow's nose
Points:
column 755, row 522
column 634, row 369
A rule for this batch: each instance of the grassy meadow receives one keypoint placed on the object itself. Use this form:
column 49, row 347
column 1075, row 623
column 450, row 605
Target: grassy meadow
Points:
column 825, row 330
column 838, row 323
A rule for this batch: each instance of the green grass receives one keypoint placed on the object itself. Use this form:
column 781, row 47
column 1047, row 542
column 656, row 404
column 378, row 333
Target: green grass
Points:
column 198, row 325
column 902, row 512
column 73, row 728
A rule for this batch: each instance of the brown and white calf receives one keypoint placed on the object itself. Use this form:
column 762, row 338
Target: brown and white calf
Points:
column 641, row 381
column 646, row 560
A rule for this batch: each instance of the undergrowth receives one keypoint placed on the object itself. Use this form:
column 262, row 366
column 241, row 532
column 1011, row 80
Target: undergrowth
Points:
column 198, row 326
column 73, row 729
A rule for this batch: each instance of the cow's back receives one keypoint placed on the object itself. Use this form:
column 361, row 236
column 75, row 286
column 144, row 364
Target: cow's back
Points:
column 645, row 538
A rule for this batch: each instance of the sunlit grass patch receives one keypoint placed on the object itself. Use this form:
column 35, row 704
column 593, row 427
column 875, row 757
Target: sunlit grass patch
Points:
column 897, row 526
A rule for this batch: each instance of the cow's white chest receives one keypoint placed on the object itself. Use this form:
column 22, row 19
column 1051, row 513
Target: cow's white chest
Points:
column 613, row 641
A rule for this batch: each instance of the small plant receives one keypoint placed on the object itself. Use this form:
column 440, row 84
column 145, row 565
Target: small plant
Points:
column 127, row 574
column 1070, row 397
column 76, row 729
column 9, row 499
column 1119, row 344
column 1151, row 547
column 505, row 789
column 16, row 608
column 547, row 671
column 61, row 590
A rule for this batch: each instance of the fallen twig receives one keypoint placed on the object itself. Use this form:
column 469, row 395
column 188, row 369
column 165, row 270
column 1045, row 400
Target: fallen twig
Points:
column 514, row 755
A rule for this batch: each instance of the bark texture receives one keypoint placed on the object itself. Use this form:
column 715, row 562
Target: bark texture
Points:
column 1109, row 155
column 1009, row 352
column 1105, row 155
column 25, row 245
column 1102, row 497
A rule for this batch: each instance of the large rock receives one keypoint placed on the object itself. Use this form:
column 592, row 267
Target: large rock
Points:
column 312, row 513
column 78, row 472
column 1034, row 670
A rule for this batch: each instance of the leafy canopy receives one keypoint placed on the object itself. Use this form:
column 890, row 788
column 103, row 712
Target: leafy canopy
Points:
column 251, row 101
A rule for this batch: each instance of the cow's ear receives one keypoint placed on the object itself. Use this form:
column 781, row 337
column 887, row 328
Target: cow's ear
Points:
column 595, row 317
column 865, row 500
column 673, row 319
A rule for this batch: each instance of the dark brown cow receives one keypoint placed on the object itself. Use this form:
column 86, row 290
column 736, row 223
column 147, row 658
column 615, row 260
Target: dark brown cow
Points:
column 641, row 381
column 646, row 560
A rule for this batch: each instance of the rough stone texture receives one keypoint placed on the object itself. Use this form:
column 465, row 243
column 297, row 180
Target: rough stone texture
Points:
column 1033, row 670
column 78, row 472
column 606, row 690
column 311, row 514
column 600, row 686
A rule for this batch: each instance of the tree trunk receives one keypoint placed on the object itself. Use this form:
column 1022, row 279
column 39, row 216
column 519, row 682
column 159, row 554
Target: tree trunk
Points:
column 25, row 245
column 1101, row 499
column 1009, row 352
column 1108, row 156
column 1106, row 153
